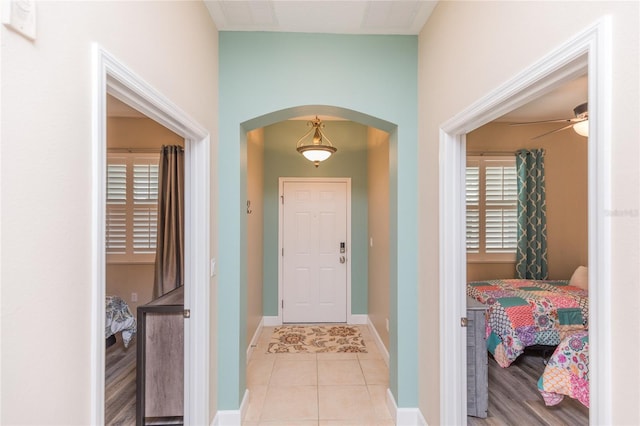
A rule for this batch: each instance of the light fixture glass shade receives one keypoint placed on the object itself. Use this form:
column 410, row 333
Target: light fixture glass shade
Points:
column 315, row 150
column 316, row 154
column 582, row 128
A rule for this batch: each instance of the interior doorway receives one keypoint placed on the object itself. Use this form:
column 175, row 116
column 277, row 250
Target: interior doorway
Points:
column 114, row 78
column 586, row 53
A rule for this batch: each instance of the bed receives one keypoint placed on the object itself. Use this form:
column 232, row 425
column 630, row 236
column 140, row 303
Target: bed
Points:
column 524, row 313
column 119, row 319
column 567, row 371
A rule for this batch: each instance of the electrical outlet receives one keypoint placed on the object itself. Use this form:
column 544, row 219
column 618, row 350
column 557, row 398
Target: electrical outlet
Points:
column 20, row 16
column 134, row 297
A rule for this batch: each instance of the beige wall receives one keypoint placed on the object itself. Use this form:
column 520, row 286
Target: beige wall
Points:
column 123, row 279
column 46, row 174
column 466, row 50
column 255, row 193
column 139, row 133
column 566, row 191
column 378, row 195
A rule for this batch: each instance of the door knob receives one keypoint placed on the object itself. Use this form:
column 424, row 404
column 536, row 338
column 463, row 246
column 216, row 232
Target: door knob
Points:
column 343, row 259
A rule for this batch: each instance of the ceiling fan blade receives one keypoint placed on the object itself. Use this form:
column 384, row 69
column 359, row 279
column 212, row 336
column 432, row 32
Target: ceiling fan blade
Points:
column 553, row 131
column 560, row 120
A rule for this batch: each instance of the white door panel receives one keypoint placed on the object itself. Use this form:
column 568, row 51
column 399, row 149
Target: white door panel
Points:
column 314, row 225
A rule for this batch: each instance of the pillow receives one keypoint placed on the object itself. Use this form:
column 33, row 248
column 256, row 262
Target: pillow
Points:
column 580, row 278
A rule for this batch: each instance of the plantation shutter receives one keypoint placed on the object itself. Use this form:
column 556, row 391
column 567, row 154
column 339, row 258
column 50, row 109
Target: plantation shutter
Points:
column 145, row 209
column 491, row 197
column 500, row 201
column 116, row 232
column 472, row 180
column 132, row 207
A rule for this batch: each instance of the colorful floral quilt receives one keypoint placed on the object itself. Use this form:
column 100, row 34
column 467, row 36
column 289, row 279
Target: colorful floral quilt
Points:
column 119, row 319
column 524, row 313
column 567, row 372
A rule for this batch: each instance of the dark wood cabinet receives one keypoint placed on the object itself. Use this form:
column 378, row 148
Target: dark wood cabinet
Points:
column 160, row 360
column 477, row 359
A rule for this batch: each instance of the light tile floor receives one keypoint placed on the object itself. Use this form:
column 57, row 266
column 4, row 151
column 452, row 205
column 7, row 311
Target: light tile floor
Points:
column 317, row 389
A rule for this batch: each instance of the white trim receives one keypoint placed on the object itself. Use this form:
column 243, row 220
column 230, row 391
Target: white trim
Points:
column 378, row 340
column 232, row 417
column 254, row 340
column 113, row 77
column 281, row 182
column 588, row 52
column 404, row 416
column 272, row 321
column 358, row 319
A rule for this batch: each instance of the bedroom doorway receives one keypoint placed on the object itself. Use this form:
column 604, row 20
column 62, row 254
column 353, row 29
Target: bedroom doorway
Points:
column 134, row 145
column 493, row 219
column 114, row 78
column 586, row 53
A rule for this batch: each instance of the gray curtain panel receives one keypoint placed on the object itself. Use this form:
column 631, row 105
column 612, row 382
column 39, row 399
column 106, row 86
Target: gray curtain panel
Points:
column 531, row 254
column 169, row 267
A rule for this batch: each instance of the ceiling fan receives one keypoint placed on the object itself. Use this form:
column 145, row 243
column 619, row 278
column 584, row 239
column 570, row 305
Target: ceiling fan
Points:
column 580, row 122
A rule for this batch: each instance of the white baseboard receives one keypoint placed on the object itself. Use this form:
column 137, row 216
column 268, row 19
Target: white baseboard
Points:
column 378, row 340
column 271, row 321
column 254, row 340
column 232, row 417
column 358, row 319
column 404, row 416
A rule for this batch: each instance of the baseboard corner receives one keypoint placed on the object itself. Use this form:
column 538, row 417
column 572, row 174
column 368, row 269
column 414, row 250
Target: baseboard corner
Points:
column 378, row 340
column 274, row 321
column 404, row 416
column 358, row 319
column 232, row 417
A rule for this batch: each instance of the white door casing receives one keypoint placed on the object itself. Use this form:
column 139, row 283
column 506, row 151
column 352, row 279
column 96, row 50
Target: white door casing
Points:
column 587, row 52
column 314, row 234
column 113, row 77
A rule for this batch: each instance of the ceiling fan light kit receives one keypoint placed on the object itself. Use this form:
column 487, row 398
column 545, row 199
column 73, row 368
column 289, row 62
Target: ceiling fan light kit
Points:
column 580, row 123
column 582, row 113
column 582, row 128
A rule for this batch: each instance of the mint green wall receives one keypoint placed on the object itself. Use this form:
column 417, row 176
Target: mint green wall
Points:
column 265, row 78
column 282, row 160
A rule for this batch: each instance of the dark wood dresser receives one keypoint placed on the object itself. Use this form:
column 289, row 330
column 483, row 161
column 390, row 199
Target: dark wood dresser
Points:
column 477, row 367
column 160, row 360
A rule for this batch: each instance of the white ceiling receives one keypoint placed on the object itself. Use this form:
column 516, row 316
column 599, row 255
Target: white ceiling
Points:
column 360, row 17
column 322, row 16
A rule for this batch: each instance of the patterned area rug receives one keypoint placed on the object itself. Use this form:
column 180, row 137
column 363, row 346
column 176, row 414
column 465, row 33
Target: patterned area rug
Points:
column 316, row 338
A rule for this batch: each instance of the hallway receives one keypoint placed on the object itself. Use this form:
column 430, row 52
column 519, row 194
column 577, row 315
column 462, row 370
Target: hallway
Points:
column 317, row 389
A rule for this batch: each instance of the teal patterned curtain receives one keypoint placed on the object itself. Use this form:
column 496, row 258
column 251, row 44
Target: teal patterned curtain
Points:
column 531, row 255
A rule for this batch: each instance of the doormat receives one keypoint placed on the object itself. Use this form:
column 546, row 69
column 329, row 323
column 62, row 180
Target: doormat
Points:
column 316, row 339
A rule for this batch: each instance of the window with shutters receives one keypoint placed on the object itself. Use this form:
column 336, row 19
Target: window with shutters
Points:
column 132, row 207
column 491, row 198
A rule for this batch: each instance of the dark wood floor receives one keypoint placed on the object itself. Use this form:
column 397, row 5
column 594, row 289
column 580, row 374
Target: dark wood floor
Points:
column 514, row 398
column 120, row 384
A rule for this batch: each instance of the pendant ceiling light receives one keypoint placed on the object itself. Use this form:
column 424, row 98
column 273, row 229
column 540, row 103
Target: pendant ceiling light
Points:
column 314, row 149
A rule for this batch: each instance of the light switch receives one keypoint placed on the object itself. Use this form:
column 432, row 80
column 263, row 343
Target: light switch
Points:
column 213, row 266
column 20, row 16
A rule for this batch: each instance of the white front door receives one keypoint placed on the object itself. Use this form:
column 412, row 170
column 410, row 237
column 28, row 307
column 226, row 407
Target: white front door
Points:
column 314, row 268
